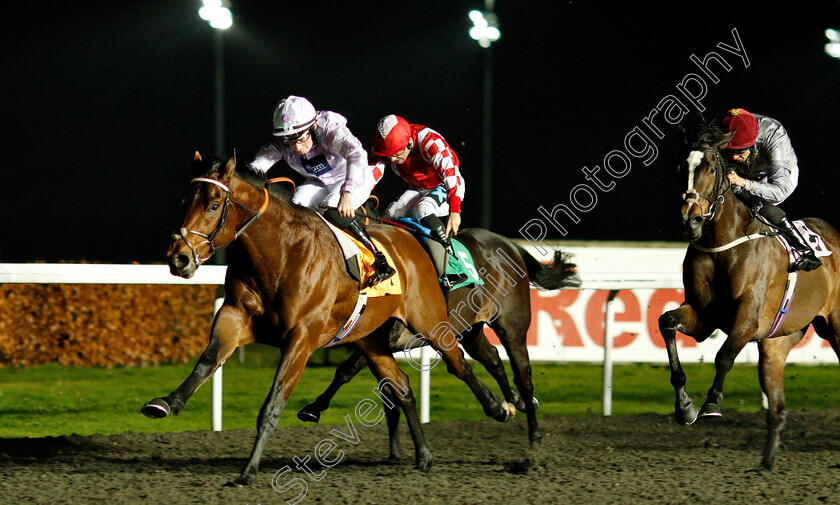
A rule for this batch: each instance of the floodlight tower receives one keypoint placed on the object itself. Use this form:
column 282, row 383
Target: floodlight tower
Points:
column 833, row 47
column 218, row 16
column 485, row 31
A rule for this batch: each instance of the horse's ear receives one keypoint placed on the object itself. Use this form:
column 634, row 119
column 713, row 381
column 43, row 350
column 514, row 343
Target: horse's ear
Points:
column 683, row 134
column 197, row 167
column 724, row 140
column 230, row 167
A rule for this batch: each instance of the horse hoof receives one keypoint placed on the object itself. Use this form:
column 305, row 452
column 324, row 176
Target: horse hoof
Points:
column 536, row 404
column 424, row 461
column 156, row 409
column 510, row 411
column 308, row 417
column 686, row 415
column 244, row 479
column 710, row 410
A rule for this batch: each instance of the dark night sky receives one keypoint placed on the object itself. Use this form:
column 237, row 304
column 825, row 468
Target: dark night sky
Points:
column 104, row 107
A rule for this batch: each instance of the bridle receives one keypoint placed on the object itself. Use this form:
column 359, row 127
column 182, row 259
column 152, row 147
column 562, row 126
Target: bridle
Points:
column 209, row 238
column 691, row 196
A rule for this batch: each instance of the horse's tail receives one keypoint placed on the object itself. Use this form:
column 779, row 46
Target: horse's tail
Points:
column 559, row 273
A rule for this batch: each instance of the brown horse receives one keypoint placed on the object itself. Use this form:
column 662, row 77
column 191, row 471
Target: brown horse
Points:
column 503, row 303
column 734, row 276
column 287, row 286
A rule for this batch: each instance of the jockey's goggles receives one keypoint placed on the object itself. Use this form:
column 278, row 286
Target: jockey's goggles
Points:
column 297, row 138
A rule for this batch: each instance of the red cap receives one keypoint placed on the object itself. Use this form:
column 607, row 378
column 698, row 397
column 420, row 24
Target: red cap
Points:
column 745, row 126
column 392, row 134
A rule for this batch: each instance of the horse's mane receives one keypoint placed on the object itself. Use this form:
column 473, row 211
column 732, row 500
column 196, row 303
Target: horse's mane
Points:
column 707, row 133
column 215, row 164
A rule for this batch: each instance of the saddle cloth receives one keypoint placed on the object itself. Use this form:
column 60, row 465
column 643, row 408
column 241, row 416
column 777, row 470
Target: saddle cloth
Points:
column 811, row 237
column 459, row 264
column 359, row 256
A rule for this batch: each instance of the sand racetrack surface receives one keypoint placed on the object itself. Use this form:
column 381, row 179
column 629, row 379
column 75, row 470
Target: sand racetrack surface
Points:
column 582, row 460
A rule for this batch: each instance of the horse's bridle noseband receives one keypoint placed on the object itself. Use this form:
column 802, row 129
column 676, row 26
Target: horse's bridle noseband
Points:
column 209, row 238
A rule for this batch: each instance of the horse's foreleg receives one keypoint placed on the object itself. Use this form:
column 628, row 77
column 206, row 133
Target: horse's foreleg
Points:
column 742, row 332
column 343, row 374
column 231, row 328
column 289, row 371
column 771, row 373
column 685, row 320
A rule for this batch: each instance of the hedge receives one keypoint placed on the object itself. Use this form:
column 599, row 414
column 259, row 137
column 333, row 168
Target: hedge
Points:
column 103, row 324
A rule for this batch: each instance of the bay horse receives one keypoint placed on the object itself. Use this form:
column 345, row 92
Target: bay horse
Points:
column 287, row 286
column 503, row 303
column 735, row 276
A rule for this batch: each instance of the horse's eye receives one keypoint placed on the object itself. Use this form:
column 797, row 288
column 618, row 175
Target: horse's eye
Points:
column 214, row 206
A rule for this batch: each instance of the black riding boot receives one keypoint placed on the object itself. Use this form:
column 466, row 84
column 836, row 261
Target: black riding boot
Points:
column 807, row 259
column 380, row 263
column 438, row 233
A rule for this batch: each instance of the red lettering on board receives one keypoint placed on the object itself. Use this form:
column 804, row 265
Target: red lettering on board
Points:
column 555, row 307
column 596, row 311
column 809, row 334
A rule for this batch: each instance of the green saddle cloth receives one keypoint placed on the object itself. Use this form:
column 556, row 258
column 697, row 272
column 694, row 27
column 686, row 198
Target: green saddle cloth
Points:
column 462, row 263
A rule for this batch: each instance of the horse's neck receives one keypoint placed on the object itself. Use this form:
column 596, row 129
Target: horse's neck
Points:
column 732, row 222
column 283, row 239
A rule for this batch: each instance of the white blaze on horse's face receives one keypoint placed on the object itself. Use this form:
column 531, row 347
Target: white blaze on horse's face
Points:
column 694, row 159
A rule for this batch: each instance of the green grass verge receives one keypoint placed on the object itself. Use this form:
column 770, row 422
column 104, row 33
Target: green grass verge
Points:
column 53, row 400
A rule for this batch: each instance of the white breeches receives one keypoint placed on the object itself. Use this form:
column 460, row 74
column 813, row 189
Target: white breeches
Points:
column 419, row 203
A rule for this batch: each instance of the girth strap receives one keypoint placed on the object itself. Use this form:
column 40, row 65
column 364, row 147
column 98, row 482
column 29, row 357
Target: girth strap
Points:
column 354, row 318
column 787, row 300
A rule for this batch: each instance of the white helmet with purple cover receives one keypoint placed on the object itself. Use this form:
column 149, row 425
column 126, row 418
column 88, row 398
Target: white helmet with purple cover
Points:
column 292, row 117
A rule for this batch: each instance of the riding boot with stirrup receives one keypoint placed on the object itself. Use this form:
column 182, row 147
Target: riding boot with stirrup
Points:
column 438, row 233
column 380, row 262
column 807, row 260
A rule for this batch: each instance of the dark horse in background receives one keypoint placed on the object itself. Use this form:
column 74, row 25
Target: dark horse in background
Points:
column 737, row 285
column 503, row 303
column 288, row 287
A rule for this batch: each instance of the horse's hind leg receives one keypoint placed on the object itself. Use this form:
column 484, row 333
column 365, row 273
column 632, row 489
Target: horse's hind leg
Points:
column 443, row 339
column 512, row 333
column 830, row 330
column 390, row 377
column 343, row 374
column 230, row 330
column 771, row 364
column 480, row 349
column 392, row 415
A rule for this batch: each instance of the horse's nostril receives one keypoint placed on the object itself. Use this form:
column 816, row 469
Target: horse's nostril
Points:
column 179, row 260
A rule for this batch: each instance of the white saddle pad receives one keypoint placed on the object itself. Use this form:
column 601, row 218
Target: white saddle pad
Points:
column 811, row 238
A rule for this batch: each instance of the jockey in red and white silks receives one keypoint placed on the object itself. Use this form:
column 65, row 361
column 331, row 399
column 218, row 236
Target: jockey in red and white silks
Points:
column 423, row 158
column 431, row 168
